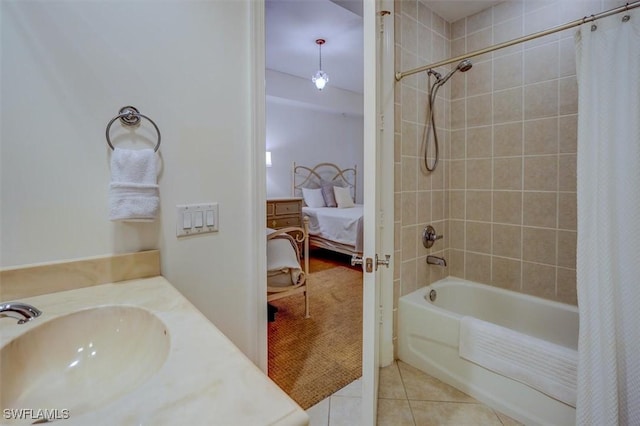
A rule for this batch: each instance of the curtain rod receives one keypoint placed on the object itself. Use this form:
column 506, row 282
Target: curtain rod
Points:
column 577, row 22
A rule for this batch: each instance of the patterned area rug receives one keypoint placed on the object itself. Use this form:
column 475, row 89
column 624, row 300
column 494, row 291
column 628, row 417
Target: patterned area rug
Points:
column 311, row 358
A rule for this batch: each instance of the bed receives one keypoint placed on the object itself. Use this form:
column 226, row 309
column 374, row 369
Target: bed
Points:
column 335, row 220
column 286, row 272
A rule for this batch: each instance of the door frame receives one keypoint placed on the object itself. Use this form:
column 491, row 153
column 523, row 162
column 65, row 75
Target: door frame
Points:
column 257, row 302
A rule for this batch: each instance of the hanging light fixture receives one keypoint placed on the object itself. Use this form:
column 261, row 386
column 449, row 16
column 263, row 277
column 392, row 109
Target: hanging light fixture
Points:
column 321, row 78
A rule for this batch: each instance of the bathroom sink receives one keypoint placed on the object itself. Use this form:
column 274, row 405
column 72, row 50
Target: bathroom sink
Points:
column 82, row 361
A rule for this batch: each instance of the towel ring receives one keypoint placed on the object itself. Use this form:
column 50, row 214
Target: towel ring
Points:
column 130, row 116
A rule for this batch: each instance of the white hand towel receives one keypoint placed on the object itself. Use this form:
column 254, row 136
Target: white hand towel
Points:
column 133, row 192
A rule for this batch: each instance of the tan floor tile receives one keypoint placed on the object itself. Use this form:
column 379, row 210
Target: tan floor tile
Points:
column 391, row 386
column 427, row 413
column 394, row 412
column 508, row 421
column 423, row 387
column 345, row 411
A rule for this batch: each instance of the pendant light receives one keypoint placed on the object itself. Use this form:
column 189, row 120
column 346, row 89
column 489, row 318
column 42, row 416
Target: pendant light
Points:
column 321, row 78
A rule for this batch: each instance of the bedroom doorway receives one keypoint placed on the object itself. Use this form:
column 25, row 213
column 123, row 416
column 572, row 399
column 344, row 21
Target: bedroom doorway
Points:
column 374, row 175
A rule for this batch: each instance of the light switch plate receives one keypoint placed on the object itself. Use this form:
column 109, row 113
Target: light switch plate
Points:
column 205, row 211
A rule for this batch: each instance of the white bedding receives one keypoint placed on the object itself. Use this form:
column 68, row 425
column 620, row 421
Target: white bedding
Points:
column 340, row 225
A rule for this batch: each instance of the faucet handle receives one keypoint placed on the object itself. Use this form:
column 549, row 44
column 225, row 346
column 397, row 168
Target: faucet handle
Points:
column 429, row 236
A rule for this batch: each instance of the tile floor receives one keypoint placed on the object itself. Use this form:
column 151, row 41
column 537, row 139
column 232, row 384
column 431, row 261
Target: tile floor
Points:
column 407, row 396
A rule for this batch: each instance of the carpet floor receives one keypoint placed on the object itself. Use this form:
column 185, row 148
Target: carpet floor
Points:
column 312, row 358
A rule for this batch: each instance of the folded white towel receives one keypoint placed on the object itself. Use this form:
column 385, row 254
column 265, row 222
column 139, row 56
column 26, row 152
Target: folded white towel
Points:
column 542, row 365
column 133, row 192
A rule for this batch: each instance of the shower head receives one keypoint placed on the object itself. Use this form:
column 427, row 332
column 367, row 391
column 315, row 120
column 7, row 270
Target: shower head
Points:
column 464, row 66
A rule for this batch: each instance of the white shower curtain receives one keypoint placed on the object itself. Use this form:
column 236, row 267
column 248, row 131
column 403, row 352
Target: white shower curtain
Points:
column 608, row 258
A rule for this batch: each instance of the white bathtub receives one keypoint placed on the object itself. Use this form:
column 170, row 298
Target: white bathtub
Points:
column 428, row 334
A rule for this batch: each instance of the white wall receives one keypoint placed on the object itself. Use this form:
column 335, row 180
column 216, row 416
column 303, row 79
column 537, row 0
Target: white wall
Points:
column 310, row 127
column 67, row 67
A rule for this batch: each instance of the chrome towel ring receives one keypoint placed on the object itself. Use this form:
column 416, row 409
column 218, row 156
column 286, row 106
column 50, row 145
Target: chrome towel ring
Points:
column 130, row 116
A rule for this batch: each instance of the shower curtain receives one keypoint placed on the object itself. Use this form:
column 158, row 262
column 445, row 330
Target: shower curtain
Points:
column 608, row 255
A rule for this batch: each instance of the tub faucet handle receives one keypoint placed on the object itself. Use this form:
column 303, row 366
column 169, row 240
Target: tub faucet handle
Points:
column 429, row 236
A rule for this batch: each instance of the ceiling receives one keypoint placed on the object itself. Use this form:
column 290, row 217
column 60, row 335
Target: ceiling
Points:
column 292, row 27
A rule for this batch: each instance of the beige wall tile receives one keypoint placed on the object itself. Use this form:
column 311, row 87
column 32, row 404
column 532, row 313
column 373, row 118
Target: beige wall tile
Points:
column 567, row 57
column 505, row 31
column 409, row 138
column 409, row 242
column 507, row 10
column 424, row 207
column 479, row 142
column 478, row 205
column 479, row 21
column 506, row 273
column 568, row 178
column 478, row 267
column 507, row 173
column 409, row 33
column 408, row 208
column 566, row 286
column 568, row 134
column 458, row 174
column 541, row 173
column 458, row 144
column 540, row 209
column 458, row 115
column 539, row 280
column 457, row 204
column 478, row 78
column 459, row 28
column 479, row 111
column 541, row 63
column 457, row 233
column 507, row 241
column 567, row 211
column 541, row 100
column 539, row 245
column 478, row 237
column 567, row 249
column 409, row 104
column 507, row 207
column 437, row 205
column 541, row 136
column 408, row 277
column 479, row 174
column 478, row 40
column 568, row 93
column 409, row 173
column 507, row 139
column 507, row 71
column 456, row 263
column 507, row 105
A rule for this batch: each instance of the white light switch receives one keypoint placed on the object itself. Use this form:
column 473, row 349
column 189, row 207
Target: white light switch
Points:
column 210, row 218
column 197, row 219
column 186, row 220
column 193, row 219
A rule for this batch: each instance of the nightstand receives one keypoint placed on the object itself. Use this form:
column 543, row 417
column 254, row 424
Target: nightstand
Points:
column 283, row 212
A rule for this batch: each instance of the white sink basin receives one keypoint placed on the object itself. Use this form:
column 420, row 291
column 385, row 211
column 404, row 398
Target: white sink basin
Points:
column 83, row 360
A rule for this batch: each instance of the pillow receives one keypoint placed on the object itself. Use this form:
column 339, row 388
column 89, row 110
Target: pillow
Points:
column 343, row 197
column 327, row 193
column 313, row 197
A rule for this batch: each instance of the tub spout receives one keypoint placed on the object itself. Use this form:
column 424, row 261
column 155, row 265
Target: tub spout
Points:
column 435, row 260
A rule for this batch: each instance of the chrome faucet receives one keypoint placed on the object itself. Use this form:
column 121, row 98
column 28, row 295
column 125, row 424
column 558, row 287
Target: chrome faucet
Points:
column 435, row 260
column 20, row 311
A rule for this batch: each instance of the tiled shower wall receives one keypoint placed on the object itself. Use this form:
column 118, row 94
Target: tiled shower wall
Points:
column 504, row 193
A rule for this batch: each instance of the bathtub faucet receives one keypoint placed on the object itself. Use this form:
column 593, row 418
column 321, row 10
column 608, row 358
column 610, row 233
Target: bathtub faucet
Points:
column 20, row 311
column 435, row 260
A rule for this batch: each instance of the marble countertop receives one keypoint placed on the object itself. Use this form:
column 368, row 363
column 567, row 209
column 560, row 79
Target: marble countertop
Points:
column 205, row 380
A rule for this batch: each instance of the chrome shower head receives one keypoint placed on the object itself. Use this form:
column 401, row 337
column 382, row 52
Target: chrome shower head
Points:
column 464, row 65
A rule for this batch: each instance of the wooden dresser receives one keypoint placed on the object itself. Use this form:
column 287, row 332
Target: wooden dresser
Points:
column 283, row 212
